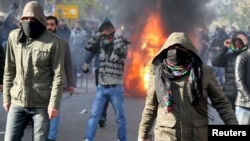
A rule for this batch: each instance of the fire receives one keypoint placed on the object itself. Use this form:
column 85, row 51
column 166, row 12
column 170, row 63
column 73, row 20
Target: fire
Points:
column 151, row 39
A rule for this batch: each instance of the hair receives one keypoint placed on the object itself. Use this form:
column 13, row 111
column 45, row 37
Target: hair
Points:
column 52, row 18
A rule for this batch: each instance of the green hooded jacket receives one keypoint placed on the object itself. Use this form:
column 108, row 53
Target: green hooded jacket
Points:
column 184, row 123
column 34, row 69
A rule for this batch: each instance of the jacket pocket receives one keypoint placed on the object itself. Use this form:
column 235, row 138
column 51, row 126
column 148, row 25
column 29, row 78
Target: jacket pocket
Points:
column 16, row 90
column 200, row 129
column 41, row 57
column 42, row 92
column 166, row 131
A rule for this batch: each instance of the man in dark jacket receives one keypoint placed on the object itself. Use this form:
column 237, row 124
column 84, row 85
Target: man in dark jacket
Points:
column 215, row 45
column 242, row 79
column 52, row 24
column 226, row 58
column 33, row 76
column 63, row 30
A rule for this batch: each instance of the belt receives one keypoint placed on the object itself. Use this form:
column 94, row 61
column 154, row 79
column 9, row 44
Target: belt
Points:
column 109, row 85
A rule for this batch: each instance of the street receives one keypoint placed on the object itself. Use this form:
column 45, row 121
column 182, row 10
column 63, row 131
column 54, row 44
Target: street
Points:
column 73, row 121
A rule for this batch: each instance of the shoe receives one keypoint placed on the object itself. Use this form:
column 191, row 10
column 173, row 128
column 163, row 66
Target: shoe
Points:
column 79, row 74
column 102, row 122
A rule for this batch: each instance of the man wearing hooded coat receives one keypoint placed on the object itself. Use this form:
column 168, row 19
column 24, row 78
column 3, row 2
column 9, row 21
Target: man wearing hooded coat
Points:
column 33, row 76
column 178, row 92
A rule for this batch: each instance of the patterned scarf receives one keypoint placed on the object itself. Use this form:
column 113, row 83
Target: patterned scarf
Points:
column 170, row 72
column 194, row 81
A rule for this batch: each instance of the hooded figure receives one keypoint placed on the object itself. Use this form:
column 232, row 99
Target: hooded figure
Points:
column 33, row 75
column 32, row 28
column 178, row 92
column 112, row 53
column 226, row 57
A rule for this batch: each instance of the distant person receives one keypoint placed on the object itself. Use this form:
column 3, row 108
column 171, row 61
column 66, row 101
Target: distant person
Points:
column 63, row 30
column 226, row 58
column 178, row 92
column 204, row 43
column 33, row 76
column 77, row 44
column 52, row 24
column 216, row 44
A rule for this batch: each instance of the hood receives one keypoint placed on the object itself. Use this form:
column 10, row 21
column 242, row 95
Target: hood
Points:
column 106, row 24
column 177, row 38
column 34, row 9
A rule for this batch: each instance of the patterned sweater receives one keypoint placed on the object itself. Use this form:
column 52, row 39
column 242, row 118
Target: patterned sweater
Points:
column 111, row 59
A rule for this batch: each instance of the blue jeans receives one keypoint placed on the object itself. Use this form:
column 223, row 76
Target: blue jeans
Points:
column 19, row 117
column 116, row 96
column 54, row 127
column 242, row 115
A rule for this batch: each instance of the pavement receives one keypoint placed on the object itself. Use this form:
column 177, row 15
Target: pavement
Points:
column 73, row 120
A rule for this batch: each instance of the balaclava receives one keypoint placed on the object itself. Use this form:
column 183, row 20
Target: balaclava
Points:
column 238, row 45
column 33, row 28
column 178, row 57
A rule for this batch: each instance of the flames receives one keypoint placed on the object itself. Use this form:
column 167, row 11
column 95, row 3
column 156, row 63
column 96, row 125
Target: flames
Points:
column 145, row 44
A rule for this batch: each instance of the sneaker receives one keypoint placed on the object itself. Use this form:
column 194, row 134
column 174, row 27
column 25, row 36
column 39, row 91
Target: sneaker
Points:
column 79, row 74
column 102, row 122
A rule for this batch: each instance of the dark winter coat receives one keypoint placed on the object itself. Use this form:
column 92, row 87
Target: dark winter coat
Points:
column 226, row 58
column 242, row 78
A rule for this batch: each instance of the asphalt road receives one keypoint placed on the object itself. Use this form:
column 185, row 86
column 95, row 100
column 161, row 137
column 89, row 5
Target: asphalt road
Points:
column 73, row 122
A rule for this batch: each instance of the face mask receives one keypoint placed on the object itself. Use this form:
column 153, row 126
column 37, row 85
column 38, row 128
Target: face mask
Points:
column 107, row 40
column 238, row 45
column 32, row 29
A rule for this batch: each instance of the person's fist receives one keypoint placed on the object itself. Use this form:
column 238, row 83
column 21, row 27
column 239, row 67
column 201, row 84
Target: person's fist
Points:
column 85, row 68
column 227, row 43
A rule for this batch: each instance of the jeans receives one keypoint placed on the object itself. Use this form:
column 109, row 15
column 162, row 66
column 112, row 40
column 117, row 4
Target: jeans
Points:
column 116, row 96
column 19, row 117
column 242, row 115
column 54, row 127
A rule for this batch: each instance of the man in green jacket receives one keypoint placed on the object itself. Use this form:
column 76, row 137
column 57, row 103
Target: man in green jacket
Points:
column 33, row 76
column 177, row 96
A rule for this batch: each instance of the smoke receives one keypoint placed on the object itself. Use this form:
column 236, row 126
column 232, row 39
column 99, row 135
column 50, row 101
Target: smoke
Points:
column 176, row 15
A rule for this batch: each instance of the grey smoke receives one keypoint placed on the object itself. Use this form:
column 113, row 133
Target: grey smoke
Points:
column 176, row 15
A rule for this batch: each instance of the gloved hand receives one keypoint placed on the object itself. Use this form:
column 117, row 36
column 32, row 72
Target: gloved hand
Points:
column 85, row 68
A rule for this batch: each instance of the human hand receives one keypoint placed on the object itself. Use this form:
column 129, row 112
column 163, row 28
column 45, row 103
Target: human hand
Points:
column 85, row 68
column 70, row 89
column 227, row 43
column 1, row 88
column 107, row 31
column 6, row 106
column 52, row 113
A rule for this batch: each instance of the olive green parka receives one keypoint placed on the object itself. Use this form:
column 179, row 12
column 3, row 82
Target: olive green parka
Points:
column 184, row 123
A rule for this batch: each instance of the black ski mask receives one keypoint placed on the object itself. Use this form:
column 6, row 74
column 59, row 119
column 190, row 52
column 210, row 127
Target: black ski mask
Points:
column 32, row 29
